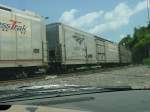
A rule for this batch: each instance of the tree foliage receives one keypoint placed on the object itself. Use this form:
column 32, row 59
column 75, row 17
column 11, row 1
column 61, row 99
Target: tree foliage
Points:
column 139, row 43
column 126, row 41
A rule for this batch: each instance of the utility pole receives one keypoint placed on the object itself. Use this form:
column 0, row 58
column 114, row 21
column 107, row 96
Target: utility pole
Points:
column 148, row 17
column 148, row 12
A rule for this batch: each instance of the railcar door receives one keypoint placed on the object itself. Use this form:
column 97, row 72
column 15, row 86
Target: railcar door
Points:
column 100, row 51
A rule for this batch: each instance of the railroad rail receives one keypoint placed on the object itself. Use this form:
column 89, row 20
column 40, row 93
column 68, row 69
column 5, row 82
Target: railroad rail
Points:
column 68, row 73
column 29, row 79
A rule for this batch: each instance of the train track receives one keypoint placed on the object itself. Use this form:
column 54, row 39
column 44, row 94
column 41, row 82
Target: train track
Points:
column 29, row 79
column 39, row 77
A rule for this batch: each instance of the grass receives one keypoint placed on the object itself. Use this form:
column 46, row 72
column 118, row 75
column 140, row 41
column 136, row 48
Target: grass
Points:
column 146, row 61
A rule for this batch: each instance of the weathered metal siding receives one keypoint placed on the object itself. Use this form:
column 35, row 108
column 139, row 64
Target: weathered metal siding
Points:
column 112, row 52
column 6, row 37
column 78, row 47
column 22, row 38
column 91, row 49
column 100, row 51
column 75, row 46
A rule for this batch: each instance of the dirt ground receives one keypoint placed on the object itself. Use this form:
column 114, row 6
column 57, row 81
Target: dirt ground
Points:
column 135, row 76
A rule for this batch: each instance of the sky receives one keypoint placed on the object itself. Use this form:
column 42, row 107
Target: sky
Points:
column 109, row 19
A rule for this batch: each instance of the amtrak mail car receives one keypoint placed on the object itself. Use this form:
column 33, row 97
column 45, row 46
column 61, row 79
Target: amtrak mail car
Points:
column 22, row 38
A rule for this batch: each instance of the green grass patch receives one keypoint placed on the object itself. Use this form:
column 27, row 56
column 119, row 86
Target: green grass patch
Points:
column 146, row 61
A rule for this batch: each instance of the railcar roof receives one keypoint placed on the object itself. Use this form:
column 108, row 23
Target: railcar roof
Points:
column 23, row 11
column 97, row 37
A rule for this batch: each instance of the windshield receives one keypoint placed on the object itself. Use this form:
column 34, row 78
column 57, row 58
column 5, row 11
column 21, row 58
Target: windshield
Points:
column 54, row 47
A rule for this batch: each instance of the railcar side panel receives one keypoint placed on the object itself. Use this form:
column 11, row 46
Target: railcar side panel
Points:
column 23, row 39
column 78, row 47
column 7, row 37
column 90, row 49
column 74, row 46
column 112, row 52
column 100, row 51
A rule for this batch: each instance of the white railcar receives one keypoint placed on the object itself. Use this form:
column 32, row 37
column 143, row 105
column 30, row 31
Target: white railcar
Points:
column 70, row 46
column 22, row 38
column 111, row 52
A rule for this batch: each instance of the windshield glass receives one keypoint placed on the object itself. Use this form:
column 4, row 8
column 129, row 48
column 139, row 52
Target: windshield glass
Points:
column 58, row 47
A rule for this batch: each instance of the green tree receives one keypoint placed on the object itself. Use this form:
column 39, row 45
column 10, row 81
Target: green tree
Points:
column 139, row 43
column 126, row 41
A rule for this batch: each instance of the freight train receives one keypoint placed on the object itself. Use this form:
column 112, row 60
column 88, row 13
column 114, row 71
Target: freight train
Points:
column 70, row 47
column 27, row 43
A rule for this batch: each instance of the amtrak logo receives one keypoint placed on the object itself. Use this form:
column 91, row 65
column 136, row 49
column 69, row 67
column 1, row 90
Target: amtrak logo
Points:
column 78, row 39
column 13, row 25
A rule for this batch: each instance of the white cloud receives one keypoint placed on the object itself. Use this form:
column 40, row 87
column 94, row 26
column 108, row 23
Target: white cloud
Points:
column 120, row 11
column 68, row 16
column 101, row 21
column 86, row 20
column 140, row 6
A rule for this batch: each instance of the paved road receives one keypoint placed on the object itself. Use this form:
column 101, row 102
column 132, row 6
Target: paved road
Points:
column 136, row 76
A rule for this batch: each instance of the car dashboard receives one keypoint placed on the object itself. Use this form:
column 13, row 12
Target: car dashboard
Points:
column 121, row 101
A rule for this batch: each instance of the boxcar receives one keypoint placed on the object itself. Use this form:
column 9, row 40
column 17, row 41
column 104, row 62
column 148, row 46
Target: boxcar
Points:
column 70, row 46
column 107, row 52
column 22, row 38
column 112, row 52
